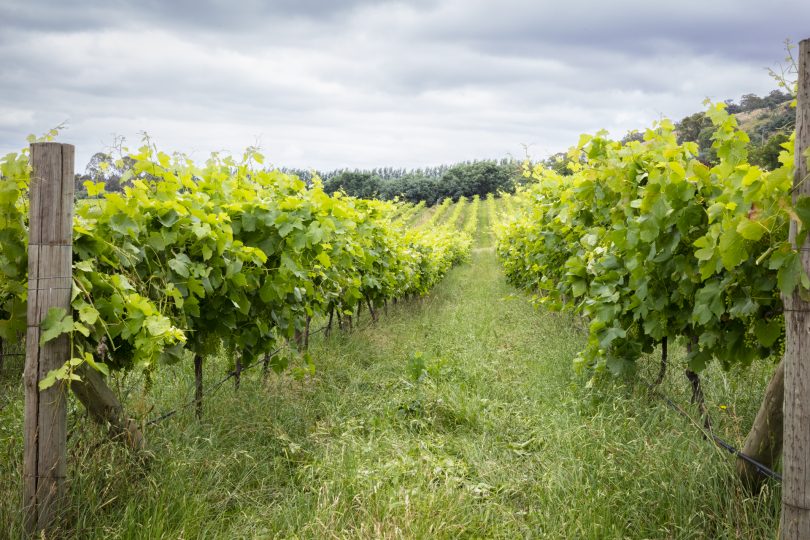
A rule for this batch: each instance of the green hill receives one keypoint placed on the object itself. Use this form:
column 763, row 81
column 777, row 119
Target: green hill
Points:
column 768, row 121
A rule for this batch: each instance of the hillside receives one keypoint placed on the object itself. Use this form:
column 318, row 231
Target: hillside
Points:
column 768, row 121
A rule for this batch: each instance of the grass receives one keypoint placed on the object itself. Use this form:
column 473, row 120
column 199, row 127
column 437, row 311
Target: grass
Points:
column 456, row 416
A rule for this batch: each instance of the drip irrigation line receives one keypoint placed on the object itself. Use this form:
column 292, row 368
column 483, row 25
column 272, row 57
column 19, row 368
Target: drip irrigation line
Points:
column 761, row 469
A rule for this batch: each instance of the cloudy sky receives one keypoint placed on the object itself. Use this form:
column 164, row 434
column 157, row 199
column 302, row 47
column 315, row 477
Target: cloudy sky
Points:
column 363, row 83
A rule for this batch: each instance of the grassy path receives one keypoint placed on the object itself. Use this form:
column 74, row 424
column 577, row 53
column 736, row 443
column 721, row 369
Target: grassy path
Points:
column 496, row 439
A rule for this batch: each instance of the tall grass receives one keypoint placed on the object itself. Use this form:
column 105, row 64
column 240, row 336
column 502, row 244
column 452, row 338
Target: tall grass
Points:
column 457, row 416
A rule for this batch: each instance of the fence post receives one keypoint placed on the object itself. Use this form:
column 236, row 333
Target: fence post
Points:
column 49, row 285
column 795, row 521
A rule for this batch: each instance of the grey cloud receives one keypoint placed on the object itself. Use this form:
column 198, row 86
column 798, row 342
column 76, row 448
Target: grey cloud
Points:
column 365, row 83
column 211, row 15
column 747, row 29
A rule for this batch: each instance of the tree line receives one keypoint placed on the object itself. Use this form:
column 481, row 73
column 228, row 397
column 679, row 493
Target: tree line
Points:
column 768, row 121
column 429, row 184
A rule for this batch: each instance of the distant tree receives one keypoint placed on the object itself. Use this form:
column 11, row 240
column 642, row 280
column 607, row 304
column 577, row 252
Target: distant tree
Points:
column 431, row 184
column 782, row 119
column 413, row 187
column 776, row 98
column 479, row 178
column 102, row 167
column 706, row 153
column 767, row 155
column 732, row 107
column 364, row 185
column 632, row 136
column 559, row 163
column 749, row 102
column 690, row 127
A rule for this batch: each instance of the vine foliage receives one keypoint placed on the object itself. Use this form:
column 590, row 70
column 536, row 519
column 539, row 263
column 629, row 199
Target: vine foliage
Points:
column 648, row 243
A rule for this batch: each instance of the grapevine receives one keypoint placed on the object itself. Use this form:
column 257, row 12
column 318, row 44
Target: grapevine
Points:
column 648, row 243
column 193, row 257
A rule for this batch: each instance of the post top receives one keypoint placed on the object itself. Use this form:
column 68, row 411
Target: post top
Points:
column 50, row 143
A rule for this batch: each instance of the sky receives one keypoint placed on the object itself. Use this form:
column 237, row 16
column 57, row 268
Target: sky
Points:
column 329, row 84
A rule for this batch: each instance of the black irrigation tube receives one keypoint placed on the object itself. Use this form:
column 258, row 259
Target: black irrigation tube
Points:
column 762, row 469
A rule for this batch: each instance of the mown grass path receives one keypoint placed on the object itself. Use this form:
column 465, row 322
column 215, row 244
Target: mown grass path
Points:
column 500, row 439
column 497, row 438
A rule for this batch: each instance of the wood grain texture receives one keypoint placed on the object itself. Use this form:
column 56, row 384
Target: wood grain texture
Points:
column 764, row 441
column 49, row 285
column 795, row 519
column 104, row 408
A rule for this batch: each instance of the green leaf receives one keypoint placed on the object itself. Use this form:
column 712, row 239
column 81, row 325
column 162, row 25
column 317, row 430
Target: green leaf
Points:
column 610, row 335
column 49, row 380
column 55, row 323
column 195, row 287
column 715, row 210
column 123, row 224
column 579, row 287
column 157, row 326
column 206, row 251
column 789, row 273
column 80, row 328
column 583, row 140
column 732, row 249
column 239, row 280
column 649, row 229
column 324, row 259
column 88, row 314
column 768, row 332
column 708, row 303
column 87, row 358
column 180, row 267
column 169, row 218
column 706, row 251
column 750, row 230
column 94, row 188
column 802, row 209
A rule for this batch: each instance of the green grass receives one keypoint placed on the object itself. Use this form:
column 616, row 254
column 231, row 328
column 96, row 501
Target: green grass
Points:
column 498, row 438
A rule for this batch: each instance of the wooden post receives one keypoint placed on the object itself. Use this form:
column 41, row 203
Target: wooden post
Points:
column 105, row 409
column 49, row 285
column 795, row 521
column 764, row 441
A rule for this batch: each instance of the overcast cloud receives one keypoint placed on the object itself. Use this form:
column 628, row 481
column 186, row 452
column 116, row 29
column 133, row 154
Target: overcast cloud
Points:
column 363, row 83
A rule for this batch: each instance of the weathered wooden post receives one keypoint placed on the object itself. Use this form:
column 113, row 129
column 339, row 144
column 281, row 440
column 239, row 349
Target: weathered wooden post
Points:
column 764, row 441
column 49, row 285
column 795, row 523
